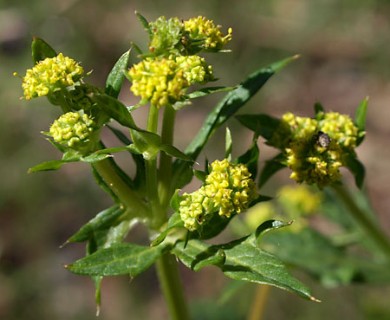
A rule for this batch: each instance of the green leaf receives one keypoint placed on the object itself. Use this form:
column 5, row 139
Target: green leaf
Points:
column 139, row 178
column 243, row 260
column 48, row 165
column 360, row 120
column 102, row 221
column 262, row 124
column 357, row 169
column 174, row 222
column 117, row 75
column 119, row 259
column 228, row 144
column 41, row 50
column 116, row 110
column 174, row 152
column 98, row 156
column 206, row 91
column 226, row 108
column 271, row 167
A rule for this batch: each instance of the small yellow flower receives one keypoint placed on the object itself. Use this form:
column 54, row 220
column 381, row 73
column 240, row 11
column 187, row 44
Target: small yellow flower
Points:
column 206, row 33
column 339, row 127
column 72, row 129
column 49, row 75
column 195, row 69
column 163, row 81
column 228, row 190
column 315, row 149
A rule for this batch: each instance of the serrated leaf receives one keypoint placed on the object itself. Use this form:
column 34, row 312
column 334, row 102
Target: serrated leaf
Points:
column 262, row 124
column 226, row 108
column 270, row 168
column 117, row 75
column 101, row 221
column 41, row 50
column 119, row 259
column 360, row 120
column 244, row 260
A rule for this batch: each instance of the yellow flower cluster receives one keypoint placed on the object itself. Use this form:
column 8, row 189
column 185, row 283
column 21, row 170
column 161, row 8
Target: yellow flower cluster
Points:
column 50, row 75
column 195, row 69
column 163, row 81
column 72, row 129
column 317, row 161
column 204, row 30
column 340, row 128
column 228, row 190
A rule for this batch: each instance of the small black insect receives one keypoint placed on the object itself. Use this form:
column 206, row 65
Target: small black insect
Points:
column 322, row 139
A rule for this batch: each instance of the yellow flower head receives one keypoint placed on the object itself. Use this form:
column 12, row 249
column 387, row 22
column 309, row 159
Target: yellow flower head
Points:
column 315, row 148
column 340, row 128
column 228, row 190
column 206, row 34
column 49, row 75
column 163, row 81
column 73, row 130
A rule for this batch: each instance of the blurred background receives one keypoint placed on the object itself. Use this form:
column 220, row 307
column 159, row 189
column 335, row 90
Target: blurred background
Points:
column 344, row 47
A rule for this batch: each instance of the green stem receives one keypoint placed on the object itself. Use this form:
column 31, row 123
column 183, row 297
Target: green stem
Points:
column 172, row 288
column 362, row 218
column 124, row 193
column 151, row 169
column 167, row 268
column 165, row 172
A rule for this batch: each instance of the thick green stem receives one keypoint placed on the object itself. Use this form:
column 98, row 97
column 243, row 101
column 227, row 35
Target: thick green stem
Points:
column 151, row 173
column 365, row 223
column 172, row 288
column 165, row 172
column 126, row 195
column 158, row 192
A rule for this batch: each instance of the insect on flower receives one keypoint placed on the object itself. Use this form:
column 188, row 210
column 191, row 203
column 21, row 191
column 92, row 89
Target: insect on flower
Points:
column 322, row 139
